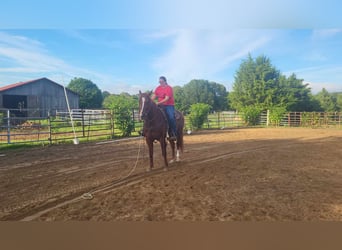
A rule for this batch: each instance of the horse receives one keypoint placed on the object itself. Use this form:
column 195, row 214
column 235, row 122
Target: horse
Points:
column 156, row 128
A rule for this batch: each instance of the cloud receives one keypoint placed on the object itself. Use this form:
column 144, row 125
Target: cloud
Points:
column 26, row 54
column 94, row 37
column 203, row 53
column 325, row 33
column 28, row 59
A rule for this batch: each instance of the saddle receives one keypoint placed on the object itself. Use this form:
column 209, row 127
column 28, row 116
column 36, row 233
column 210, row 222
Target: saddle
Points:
column 177, row 114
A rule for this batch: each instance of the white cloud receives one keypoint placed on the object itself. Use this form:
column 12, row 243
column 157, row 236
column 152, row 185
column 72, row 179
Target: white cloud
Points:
column 203, row 53
column 325, row 33
column 28, row 59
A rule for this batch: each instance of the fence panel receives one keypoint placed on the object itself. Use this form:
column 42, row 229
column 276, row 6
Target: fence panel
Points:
column 27, row 126
column 17, row 126
column 312, row 119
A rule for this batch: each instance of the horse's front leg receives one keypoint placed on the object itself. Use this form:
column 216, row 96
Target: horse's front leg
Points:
column 172, row 144
column 150, row 150
column 163, row 148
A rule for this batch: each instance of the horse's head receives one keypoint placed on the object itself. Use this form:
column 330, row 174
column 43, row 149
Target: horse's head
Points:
column 145, row 103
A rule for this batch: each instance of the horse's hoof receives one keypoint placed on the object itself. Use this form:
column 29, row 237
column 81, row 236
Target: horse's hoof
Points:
column 148, row 170
column 172, row 161
column 178, row 160
column 166, row 169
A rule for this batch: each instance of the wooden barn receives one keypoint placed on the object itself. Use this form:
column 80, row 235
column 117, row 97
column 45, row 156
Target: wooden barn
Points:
column 37, row 98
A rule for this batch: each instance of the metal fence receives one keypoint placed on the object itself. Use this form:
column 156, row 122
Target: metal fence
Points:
column 61, row 127
column 312, row 119
column 16, row 128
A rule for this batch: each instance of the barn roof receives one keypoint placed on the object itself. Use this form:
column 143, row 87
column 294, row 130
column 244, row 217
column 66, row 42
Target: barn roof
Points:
column 18, row 84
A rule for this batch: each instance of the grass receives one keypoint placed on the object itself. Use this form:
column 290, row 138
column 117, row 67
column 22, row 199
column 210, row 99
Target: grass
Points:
column 62, row 132
column 8, row 147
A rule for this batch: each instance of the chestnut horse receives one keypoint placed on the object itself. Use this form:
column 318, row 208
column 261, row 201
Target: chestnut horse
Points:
column 156, row 128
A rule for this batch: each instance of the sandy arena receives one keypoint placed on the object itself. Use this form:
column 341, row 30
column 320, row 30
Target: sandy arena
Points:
column 259, row 174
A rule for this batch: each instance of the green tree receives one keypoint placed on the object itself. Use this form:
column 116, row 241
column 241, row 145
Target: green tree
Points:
column 220, row 96
column 180, row 103
column 294, row 95
column 339, row 101
column 255, row 84
column 327, row 101
column 198, row 114
column 204, row 91
column 105, row 94
column 258, row 83
column 338, row 98
column 122, row 106
column 90, row 94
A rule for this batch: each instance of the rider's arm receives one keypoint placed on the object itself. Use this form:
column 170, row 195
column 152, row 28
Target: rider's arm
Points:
column 164, row 100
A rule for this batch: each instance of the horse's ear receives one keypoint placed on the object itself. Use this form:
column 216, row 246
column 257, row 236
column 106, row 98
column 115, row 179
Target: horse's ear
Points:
column 139, row 92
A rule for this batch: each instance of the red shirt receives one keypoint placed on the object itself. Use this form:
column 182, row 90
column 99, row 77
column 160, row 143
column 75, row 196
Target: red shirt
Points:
column 162, row 91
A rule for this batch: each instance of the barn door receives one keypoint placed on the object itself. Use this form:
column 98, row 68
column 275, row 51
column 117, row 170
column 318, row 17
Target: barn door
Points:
column 33, row 106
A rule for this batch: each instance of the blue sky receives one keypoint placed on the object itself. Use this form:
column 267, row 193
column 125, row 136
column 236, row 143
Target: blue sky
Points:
column 126, row 45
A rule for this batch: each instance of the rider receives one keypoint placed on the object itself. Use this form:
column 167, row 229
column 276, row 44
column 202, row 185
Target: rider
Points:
column 164, row 93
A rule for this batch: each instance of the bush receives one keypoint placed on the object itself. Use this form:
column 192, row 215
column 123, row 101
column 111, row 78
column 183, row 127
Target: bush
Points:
column 276, row 114
column 122, row 106
column 198, row 114
column 251, row 115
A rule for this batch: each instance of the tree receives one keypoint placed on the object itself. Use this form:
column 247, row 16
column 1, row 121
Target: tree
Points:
column 105, row 94
column 338, row 98
column 122, row 106
column 180, row 103
column 294, row 95
column 220, row 96
column 90, row 94
column 255, row 84
column 327, row 101
column 258, row 83
column 198, row 114
column 204, row 91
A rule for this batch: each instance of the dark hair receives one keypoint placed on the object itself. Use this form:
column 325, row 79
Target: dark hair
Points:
column 163, row 78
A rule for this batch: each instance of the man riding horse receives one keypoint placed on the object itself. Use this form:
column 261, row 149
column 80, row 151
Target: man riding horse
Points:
column 165, row 99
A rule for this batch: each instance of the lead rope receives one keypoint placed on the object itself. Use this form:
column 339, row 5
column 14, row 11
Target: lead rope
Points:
column 89, row 196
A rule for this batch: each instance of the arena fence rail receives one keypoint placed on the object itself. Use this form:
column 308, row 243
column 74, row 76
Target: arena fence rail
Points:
column 23, row 126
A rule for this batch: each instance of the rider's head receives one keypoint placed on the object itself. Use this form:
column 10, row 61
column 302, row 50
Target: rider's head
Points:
column 162, row 80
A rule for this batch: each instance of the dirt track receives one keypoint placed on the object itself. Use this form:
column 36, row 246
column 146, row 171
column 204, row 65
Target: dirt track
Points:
column 247, row 174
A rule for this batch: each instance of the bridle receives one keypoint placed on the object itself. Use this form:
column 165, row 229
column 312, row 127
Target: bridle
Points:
column 142, row 112
column 144, row 115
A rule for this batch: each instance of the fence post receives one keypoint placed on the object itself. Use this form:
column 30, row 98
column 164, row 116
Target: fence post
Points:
column 8, row 127
column 133, row 119
column 267, row 118
column 112, row 123
column 49, row 125
column 82, row 113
